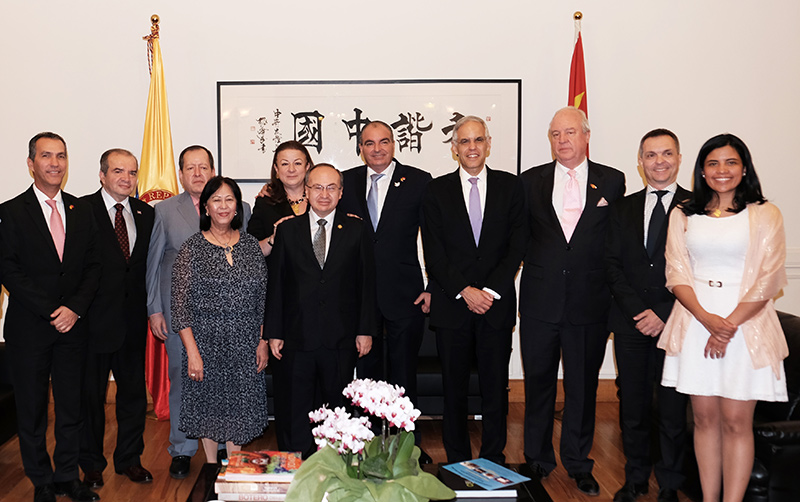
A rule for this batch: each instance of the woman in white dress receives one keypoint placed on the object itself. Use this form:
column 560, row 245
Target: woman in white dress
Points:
column 725, row 263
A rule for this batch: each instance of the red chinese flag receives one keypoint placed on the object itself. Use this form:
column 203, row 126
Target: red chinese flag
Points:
column 577, row 81
column 577, row 78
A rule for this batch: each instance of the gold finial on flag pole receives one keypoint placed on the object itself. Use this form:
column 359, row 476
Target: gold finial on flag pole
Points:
column 577, row 16
column 154, row 20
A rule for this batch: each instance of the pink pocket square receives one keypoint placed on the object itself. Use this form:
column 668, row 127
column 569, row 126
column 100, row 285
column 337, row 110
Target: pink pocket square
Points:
column 602, row 202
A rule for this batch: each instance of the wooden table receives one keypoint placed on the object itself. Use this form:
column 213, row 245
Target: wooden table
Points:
column 531, row 491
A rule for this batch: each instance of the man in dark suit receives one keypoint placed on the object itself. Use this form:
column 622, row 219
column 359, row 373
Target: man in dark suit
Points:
column 321, row 311
column 177, row 219
column 117, row 322
column 564, row 298
column 474, row 238
column 637, row 234
column 391, row 205
column 51, row 272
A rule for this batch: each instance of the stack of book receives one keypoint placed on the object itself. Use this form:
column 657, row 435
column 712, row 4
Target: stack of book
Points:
column 257, row 475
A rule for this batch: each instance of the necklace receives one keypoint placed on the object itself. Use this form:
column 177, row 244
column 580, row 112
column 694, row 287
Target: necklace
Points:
column 716, row 213
column 298, row 201
column 226, row 247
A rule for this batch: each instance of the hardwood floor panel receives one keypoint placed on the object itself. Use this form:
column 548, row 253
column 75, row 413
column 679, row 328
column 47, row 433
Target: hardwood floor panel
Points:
column 607, row 453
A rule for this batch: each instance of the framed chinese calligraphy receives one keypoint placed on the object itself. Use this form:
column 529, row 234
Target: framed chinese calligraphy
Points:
column 326, row 116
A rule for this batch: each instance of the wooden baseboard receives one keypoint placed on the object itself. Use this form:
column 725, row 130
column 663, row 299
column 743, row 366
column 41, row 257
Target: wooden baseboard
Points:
column 606, row 391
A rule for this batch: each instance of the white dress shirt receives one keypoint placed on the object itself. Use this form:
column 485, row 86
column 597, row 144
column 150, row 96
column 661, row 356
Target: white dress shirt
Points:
column 42, row 198
column 560, row 178
column 383, row 185
column 127, row 215
column 466, row 186
column 650, row 202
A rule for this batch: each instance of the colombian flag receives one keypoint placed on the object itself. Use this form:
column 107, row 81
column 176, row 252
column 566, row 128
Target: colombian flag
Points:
column 157, row 181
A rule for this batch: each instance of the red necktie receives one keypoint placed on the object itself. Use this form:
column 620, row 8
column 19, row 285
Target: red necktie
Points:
column 121, row 229
column 56, row 228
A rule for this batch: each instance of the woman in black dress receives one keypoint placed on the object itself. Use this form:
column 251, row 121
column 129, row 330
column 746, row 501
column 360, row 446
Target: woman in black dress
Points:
column 285, row 193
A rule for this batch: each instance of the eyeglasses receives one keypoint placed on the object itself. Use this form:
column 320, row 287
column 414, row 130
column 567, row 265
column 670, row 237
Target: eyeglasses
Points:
column 317, row 189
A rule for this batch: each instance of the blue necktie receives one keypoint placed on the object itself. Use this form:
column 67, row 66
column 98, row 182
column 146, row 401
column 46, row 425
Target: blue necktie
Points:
column 372, row 200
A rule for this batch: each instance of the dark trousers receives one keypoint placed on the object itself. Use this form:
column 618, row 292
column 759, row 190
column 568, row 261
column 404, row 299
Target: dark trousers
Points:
column 394, row 355
column 640, row 364
column 581, row 349
column 491, row 348
column 303, row 382
column 127, row 364
column 33, row 369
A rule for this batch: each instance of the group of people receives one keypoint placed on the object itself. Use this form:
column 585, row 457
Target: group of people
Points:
column 324, row 280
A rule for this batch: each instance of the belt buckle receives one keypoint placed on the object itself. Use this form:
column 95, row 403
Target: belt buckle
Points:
column 714, row 284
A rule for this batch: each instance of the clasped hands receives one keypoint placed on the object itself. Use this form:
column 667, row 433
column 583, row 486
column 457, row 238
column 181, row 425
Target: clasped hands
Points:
column 722, row 331
column 478, row 300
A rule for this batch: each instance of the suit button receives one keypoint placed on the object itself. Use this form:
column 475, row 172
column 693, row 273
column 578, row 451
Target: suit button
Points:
column 374, row 241
column 651, row 265
column 565, row 272
column 569, row 248
column 645, row 290
column 322, row 281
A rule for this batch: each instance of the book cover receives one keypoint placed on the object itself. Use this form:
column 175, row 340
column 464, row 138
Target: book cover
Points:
column 265, row 466
column 481, row 478
column 267, row 497
column 249, row 487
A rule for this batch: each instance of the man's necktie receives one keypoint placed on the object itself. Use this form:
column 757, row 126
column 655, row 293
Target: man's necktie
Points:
column 572, row 204
column 57, row 228
column 372, row 200
column 475, row 217
column 656, row 222
column 319, row 242
column 121, row 229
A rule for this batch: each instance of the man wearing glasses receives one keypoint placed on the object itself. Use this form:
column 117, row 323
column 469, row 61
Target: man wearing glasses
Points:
column 321, row 312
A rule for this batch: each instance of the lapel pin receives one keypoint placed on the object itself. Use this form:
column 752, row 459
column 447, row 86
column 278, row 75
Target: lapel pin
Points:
column 339, row 227
column 594, row 187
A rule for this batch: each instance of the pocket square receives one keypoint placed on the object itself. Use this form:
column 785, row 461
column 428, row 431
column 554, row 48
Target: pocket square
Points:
column 602, row 202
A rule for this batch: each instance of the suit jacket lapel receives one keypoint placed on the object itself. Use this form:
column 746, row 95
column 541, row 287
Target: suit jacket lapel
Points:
column 71, row 224
column 493, row 202
column 360, row 191
column 188, row 211
column 546, row 195
column 137, row 219
column 638, row 216
column 36, row 214
column 393, row 192
column 456, row 194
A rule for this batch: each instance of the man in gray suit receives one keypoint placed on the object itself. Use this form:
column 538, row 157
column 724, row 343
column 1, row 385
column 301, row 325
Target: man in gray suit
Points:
column 177, row 219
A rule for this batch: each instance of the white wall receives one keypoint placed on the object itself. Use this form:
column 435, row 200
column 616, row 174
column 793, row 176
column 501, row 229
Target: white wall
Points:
column 698, row 68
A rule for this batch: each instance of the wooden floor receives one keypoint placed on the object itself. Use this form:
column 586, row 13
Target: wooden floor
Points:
column 607, row 453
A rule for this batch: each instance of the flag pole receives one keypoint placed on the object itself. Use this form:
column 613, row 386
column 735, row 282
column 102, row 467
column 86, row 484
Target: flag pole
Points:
column 577, row 16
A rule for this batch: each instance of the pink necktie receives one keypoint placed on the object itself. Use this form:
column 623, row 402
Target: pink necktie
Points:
column 572, row 204
column 56, row 228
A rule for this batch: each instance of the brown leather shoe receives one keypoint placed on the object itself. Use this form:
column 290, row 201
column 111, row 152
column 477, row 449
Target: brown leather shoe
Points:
column 93, row 479
column 138, row 474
